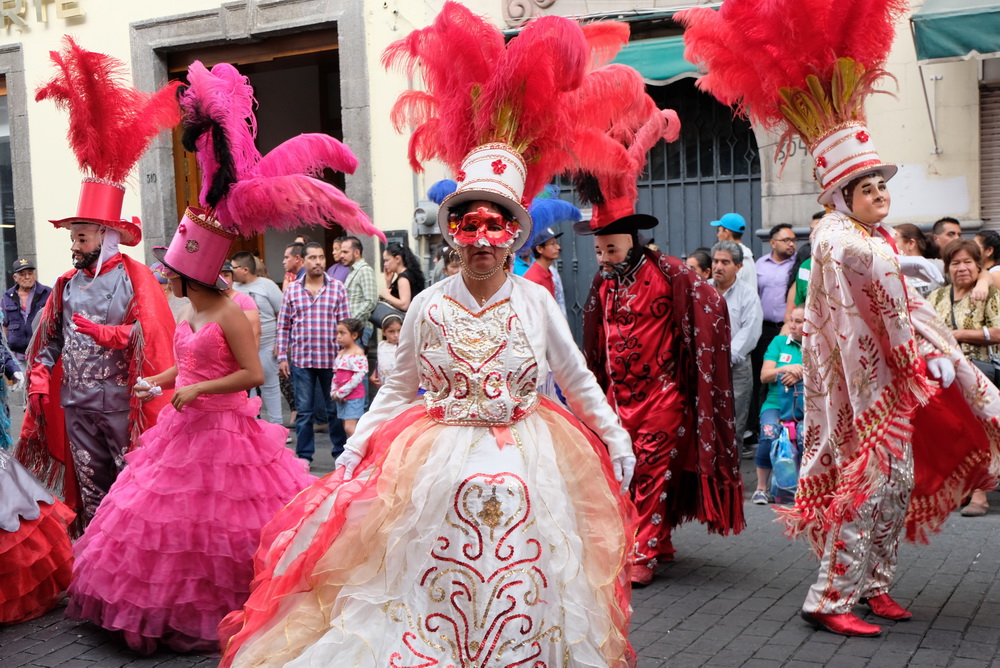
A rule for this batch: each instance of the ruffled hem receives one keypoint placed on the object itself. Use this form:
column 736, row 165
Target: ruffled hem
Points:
column 35, row 564
column 170, row 550
column 301, row 570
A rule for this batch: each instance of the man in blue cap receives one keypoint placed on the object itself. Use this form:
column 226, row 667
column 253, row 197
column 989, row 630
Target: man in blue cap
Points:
column 731, row 227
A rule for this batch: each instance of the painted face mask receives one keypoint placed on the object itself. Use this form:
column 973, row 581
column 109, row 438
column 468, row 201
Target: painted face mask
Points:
column 483, row 228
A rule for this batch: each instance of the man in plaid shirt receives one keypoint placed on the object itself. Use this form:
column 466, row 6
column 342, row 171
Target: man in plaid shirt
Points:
column 362, row 292
column 307, row 326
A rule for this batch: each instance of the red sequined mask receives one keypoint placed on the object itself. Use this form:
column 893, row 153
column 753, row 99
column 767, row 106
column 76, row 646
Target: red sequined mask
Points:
column 483, row 228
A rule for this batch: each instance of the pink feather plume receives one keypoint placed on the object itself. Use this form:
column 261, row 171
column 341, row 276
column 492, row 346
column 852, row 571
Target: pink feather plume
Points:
column 251, row 193
column 111, row 123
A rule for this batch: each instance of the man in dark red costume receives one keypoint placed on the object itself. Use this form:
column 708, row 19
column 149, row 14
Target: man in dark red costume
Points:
column 657, row 338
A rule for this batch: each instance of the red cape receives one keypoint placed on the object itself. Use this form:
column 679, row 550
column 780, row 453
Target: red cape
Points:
column 43, row 446
column 713, row 492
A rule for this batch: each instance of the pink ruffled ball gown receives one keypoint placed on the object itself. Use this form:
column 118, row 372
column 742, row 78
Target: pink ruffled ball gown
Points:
column 170, row 550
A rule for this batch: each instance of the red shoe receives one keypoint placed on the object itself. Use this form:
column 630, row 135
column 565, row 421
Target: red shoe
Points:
column 883, row 606
column 642, row 576
column 846, row 624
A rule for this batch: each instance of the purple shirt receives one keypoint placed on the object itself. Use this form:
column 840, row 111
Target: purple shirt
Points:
column 307, row 325
column 772, row 286
column 338, row 272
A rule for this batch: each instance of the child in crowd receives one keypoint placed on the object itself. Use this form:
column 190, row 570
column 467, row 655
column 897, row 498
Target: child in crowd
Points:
column 349, row 370
column 391, row 326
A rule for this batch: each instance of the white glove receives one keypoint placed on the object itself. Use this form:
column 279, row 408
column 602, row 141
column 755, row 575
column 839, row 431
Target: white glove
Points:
column 941, row 369
column 18, row 381
column 624, row 468
column 349, row 460
column 920, row 267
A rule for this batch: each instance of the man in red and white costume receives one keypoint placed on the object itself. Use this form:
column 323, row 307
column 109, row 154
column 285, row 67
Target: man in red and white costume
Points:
column 899, row 426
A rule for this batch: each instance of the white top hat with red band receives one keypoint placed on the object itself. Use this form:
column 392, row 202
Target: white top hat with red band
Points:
column 841, row 154
column 494, row 173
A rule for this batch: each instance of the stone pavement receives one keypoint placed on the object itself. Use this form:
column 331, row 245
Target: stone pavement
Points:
column 723, row 602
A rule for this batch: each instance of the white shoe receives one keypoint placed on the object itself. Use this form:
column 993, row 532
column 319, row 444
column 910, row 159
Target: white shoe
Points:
column 759, row 498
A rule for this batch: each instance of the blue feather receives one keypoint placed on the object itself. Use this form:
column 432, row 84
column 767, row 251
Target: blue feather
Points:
column 438, row 191
column 545, row 212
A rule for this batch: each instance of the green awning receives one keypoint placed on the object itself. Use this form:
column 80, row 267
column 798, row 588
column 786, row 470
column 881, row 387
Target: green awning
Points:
column 946, row 30
column 659, row 60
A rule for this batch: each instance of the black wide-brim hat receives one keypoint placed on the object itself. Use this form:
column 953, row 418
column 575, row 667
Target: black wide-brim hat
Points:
column 630, row 224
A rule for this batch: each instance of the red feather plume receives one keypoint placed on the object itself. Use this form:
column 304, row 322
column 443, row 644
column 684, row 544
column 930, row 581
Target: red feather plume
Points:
column 751, row 49
column 111, row 123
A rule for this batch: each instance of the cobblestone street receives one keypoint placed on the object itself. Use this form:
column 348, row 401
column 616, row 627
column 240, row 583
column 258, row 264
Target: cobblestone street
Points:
column 724, row 602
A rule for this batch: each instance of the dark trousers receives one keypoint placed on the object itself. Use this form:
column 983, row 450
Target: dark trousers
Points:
column 759, row 393
column 311, row 386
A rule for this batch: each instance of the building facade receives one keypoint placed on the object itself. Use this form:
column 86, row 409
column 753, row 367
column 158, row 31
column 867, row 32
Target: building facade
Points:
column 315, row 66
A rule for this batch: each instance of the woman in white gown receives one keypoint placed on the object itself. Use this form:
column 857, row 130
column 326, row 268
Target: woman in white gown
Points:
column 478, row 524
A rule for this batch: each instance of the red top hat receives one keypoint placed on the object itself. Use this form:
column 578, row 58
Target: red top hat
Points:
column 101, row 204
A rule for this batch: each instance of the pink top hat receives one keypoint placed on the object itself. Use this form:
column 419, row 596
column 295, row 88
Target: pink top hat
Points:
column 198, row 249
column 101, row 204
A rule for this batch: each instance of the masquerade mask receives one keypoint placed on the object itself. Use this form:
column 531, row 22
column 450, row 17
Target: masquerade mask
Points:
column 168, row 273
column 483, row 228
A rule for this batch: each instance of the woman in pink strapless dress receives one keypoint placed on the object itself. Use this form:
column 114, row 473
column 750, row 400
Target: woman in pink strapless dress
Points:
column 170, row 550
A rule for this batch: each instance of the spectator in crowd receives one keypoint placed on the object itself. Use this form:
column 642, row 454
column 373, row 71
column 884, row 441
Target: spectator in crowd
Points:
column 351, row 369
column 798, row 278
column 391, row 326
column 176, row 304
column 306, row 341
column 945, row 231
column 403, row 277
column 303, row 239
column 267, row 296
column 294, row 263
column 745, row 318
column 21, row 304
column 700, row 262
column 773, row 270
column 731, row 227
column 245, row 302
column 438, row 262
column 338, row 271
column 989, row 243
column 911, row 242
column 975, row 324
column 781, row 371
column 362, row 291
column 452, row 264
column 545, row 251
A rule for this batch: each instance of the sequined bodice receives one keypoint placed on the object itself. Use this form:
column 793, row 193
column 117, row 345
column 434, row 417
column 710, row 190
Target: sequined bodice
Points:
column 205, row 355
column 477, row 368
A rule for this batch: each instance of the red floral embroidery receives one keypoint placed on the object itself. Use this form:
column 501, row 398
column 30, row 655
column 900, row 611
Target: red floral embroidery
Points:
column 821, row 162
column 461, row 175
column 839, row 545
column 498, row 166
column 834, row 596
column 840, row 569
column 862, row 136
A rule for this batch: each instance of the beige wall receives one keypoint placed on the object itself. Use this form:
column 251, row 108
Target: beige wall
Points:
column 929, row 185
column 55, row 174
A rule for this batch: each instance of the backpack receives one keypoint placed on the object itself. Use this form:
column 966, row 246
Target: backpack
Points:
column 784, row 467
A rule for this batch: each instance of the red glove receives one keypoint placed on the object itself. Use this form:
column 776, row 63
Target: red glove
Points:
column 38, row 387
column 106, row 336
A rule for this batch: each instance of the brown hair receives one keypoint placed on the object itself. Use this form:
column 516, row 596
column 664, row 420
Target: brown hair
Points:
column 958, row 245
column 911, row 232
